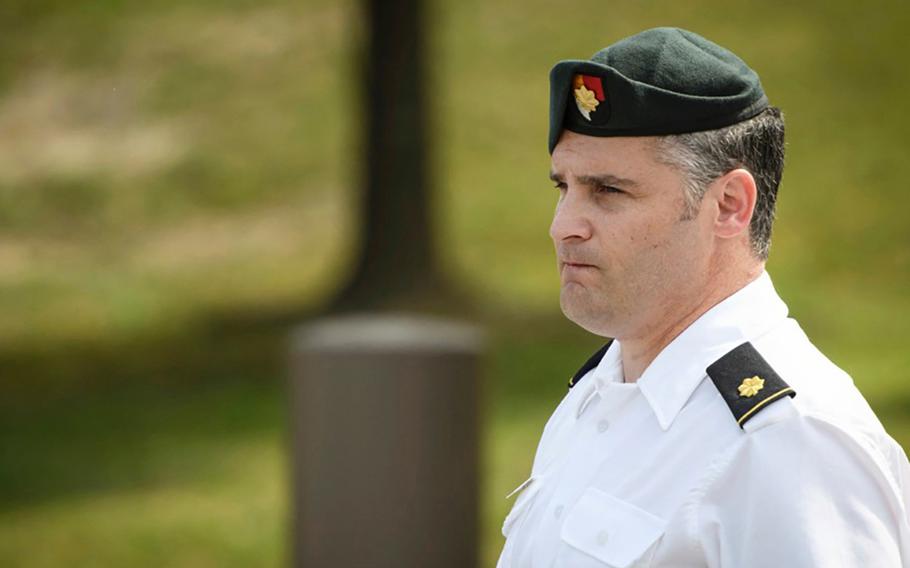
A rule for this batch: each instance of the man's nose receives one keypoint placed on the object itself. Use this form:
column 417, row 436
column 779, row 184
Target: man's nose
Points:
column 570, row 220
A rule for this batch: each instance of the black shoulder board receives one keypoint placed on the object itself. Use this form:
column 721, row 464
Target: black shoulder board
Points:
column 592, row 362
column 747, row 382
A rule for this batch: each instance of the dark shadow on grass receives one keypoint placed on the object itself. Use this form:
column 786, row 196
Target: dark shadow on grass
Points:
column 91, row 418
column 84, row 419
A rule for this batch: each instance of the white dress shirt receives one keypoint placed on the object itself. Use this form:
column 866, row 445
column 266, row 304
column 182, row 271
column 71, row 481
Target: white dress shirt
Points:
column 658, row 473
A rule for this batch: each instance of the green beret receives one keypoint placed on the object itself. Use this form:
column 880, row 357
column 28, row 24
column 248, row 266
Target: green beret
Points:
column 660, row 81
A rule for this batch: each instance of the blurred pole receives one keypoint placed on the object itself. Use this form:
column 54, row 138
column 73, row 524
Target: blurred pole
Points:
column 395, row 256
column 385, row 443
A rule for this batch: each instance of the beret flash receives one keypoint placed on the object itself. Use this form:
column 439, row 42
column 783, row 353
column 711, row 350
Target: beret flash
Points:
column 660, row 81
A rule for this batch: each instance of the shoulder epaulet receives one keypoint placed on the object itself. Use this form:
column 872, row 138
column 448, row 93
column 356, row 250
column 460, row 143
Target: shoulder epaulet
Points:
column 747, row 382
column 592, row 362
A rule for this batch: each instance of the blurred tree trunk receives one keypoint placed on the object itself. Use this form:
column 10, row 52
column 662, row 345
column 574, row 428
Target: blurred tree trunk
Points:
column 396, row 264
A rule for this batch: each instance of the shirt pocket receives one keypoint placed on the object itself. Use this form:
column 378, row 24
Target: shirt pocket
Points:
column 526, row 493
column 602, row 530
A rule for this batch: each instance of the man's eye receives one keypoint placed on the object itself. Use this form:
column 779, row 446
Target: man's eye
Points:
column 607, row 189
column 560, row 185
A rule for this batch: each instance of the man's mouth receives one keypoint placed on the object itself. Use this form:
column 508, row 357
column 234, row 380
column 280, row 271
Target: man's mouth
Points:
column 568, row 264
column 577, row 267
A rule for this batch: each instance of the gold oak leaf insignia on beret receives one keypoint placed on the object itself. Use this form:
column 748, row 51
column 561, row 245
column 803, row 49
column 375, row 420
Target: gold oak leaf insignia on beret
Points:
column 586, row 101
column 589, row 93
column 751, row 386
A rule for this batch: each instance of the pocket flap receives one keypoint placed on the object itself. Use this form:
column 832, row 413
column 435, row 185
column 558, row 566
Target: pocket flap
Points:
column 528, row 489
column 613, row 531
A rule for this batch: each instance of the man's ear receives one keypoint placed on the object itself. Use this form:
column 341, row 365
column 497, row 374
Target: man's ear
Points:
column 735, row 193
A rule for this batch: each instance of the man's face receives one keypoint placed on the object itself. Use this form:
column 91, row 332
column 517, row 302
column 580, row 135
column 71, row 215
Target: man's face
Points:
column 627, row 259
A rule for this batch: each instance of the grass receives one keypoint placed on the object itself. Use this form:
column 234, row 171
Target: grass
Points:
column 177, row 182
column 172, row 477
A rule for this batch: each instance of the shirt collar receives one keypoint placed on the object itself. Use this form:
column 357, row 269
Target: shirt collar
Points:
column 679, row 368
column 607, row 372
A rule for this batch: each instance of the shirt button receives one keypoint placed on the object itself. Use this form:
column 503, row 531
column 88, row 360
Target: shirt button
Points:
column 603, row 425
column 603, row 537
column 557, row 512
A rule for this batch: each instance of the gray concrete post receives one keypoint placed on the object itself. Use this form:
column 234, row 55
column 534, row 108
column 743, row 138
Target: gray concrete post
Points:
column 384, row 413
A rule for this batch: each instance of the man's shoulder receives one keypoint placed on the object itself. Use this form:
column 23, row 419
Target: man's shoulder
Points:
column 825, row 442
column 782, row 377
column 822, row 390
column 826, row 406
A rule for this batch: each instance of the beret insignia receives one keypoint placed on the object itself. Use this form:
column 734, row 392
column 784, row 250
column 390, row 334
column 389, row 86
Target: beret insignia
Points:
column 592, row 362
column 747, row 382
column 589, row 94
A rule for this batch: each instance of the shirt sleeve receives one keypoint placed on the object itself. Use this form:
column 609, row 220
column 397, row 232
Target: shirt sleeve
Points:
column 803, row 493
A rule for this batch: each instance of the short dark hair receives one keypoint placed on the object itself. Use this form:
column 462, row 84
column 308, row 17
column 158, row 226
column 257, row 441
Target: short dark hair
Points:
column 756, row 144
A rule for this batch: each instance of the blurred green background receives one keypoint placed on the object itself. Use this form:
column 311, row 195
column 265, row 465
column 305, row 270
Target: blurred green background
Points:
column 176, row 189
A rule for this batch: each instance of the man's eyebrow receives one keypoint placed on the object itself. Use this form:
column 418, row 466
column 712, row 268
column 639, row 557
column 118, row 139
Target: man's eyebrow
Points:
column 606, row 179
column 598, row 179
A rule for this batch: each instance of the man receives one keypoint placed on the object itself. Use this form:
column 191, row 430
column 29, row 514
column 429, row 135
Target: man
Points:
column 710, row 431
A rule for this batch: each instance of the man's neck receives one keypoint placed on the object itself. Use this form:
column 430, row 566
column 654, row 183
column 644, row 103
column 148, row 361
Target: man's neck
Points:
column 639, row 352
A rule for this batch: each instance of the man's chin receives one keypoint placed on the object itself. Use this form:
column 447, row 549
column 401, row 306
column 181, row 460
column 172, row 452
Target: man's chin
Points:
column 584, row 313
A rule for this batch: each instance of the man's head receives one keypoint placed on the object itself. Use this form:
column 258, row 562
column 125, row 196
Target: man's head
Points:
column 667, row 157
